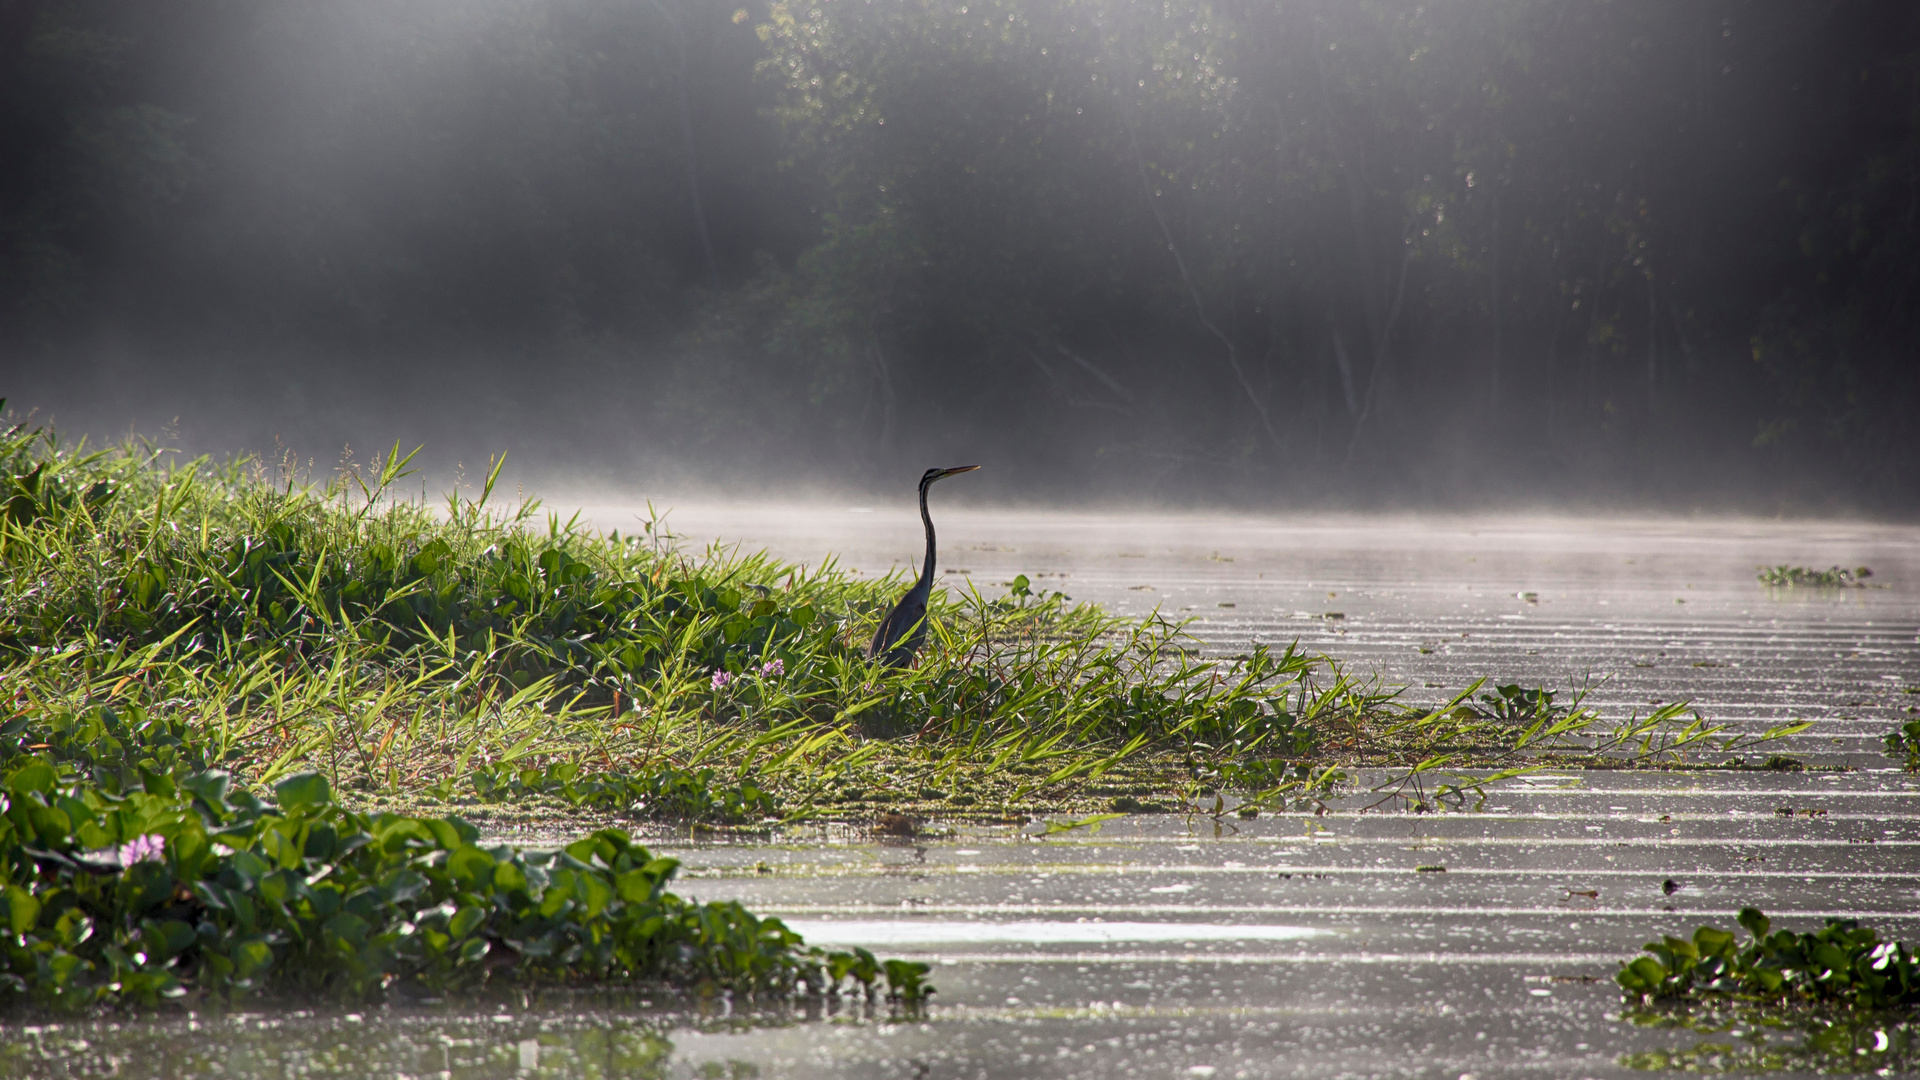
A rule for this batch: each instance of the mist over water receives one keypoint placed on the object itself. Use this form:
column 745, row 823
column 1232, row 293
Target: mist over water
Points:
column 1241, row 255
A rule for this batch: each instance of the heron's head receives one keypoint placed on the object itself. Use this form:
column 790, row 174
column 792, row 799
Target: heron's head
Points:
column 935, row 474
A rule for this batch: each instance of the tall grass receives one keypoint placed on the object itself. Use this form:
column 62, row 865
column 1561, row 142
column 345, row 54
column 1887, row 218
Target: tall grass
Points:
column 245, row 615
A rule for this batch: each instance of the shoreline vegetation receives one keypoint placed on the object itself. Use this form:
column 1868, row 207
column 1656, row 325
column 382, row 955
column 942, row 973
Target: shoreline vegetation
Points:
column 247, row 618
column 239, row 706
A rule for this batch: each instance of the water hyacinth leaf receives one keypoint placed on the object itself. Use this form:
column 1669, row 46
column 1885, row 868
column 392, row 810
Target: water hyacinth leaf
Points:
column 211, row 786
column 303, row 790
column 23, row 910
column 251, row 957
column 594, row 894
column 167, row 937
column 465, row 921
column 50, row 825
column 402, row 886
column 508, row 877
column 635, row 886
column 470, row 864
column 33, row 779
column 249, row 867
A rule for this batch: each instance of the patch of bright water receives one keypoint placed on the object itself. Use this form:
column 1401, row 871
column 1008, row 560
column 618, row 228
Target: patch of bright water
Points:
column 895, row 933
column 1289, row 945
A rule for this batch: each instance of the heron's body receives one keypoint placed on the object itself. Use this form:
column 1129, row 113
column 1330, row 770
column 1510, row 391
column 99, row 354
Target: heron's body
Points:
column 905, row 626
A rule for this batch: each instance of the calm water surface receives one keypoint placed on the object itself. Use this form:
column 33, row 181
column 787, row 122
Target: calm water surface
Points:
column 1163, row 946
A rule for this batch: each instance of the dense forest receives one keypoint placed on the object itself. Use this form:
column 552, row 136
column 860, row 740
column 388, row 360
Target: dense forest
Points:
column 1259, row 252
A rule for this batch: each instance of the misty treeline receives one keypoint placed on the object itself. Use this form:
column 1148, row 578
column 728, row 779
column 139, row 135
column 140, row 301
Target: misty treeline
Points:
column 1249, row 249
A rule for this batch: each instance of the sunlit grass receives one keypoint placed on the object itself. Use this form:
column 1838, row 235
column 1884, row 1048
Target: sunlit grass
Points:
column 246, row 616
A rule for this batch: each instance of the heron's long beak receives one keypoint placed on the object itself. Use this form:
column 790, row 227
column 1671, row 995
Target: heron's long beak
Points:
column 956, row 469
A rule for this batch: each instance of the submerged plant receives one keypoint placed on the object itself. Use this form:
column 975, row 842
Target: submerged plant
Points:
column 1837, row 577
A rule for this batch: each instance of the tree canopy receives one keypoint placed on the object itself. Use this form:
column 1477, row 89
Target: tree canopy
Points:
column 1251, row 250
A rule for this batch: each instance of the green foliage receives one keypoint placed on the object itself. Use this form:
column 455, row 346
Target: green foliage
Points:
column 209, row 617
column 1842, row 963
column 1904, row 742
column 150, row 891
column 1838, row 577
column 289, row 626
column 1513, row 728
column 664, row 791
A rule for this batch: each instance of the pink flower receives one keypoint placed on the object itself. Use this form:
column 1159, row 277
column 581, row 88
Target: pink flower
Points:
column 773, row 669
column 148, row 848
column 721, row 678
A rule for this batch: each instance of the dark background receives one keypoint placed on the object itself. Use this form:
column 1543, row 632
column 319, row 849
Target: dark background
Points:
column 1464, row 253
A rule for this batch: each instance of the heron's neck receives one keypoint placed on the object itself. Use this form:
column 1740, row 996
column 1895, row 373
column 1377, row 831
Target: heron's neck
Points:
column 926, row 573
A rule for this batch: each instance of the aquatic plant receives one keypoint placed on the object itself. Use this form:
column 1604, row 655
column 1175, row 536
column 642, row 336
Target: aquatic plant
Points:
column 289, row 625
column 1904, row 742
column 236, row 616
column 1843, row 963
column 137, row 888
column 1515, row 730
column 663, row 792
column 1837, row 577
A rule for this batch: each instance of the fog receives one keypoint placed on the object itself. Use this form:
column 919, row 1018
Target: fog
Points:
column 1252, row 255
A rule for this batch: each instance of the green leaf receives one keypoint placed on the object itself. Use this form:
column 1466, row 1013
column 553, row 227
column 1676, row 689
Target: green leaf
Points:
column 465, row 920
column 635, row 886
column 168, row 937
column 1650, row 971
column 1712, row 942
column 51, row 825
column 251, row 957
column 23, row 911
column 445, row 834
column 348, row 927
column 403, row 886
column 36, row 778
column 307, row 789
column 469, row 863
column 509, row 878
column 210, row 786
column 595, row 893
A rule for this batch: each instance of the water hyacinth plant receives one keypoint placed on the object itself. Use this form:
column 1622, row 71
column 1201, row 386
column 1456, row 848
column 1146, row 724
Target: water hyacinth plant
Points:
column 139, row 888
column 1842, row 963
column 1904, row 742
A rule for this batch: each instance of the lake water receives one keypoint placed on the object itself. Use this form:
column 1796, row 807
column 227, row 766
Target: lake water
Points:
column 1346, row 944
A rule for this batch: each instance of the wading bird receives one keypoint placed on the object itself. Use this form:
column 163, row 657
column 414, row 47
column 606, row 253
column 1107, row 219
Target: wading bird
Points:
column 905, row 626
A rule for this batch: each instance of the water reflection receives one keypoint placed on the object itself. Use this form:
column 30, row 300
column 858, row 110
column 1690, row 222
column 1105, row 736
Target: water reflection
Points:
column 534, row 1035
column 1747, row 1041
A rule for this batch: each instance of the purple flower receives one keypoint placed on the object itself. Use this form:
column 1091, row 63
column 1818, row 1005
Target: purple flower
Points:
column 148, row 848
column 720, row 679
column 773, row 669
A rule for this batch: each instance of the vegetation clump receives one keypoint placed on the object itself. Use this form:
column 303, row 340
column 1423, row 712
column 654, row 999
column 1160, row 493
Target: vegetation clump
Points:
column 1843, row 964
column 1835, row 577
column 134, row 887
column 394, row 649
column 242, row 618
column 1904, row 742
